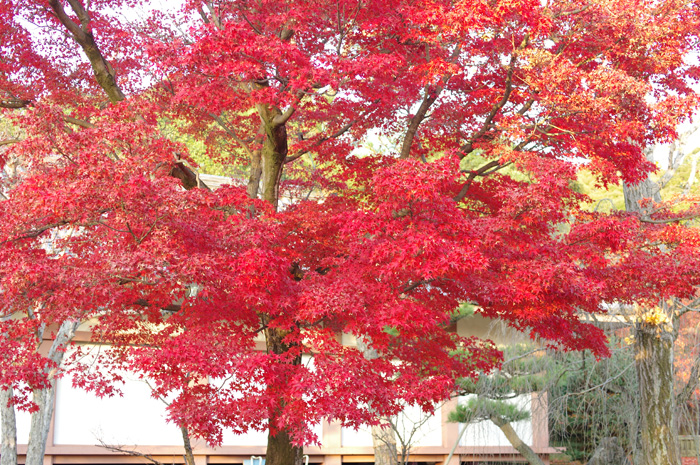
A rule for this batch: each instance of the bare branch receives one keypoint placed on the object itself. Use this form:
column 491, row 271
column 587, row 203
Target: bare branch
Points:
column 14, row 103
column 431, row 95
column 215, row 18
column 36, row 232
column 469, row 146
column 133, row 453
column 9, row 141
column 320, row 141
column 645, row 219
column 232, row 133
column 168, row 308
column 79, row 122
column 573, row 12
column 607, row 381
column 488, row 168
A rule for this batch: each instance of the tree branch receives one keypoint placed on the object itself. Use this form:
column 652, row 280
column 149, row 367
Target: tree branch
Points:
column 320, row 141
column 14, row 103
column 232, row 133
column 189, row 177
column 36, row 232
column 282, row 118
column 103, row 71
column 9, row 141
column 469, row 146
column 168, row 308
column 79, row 122
column 488, row 168
column 133, row 453
column 430, row 97
column 645, row 219
column 692, row 384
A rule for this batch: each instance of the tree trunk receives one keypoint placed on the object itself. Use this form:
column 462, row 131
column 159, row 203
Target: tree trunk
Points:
column 274, row 152
column 189, row 456
column 646, row 189
column 653, row 347
column 44, row 398
column 9, row 428
column 383, row 439
column 255, row 174
column 525, row 450
column 280, row 450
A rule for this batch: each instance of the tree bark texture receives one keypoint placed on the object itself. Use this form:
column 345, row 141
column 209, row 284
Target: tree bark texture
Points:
column 274, row 151
column 525, row 450
column 255, row 174
column 653, row 346
column 44, row 398
column 9, row 429
column 82, row 34
column 635, row 194
column 653, row 349
column 280, row 450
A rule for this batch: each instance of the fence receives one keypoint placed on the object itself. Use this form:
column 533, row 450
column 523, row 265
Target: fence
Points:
column 690, row 445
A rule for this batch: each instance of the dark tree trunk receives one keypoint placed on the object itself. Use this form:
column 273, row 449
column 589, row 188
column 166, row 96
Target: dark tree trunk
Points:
column 280, row 450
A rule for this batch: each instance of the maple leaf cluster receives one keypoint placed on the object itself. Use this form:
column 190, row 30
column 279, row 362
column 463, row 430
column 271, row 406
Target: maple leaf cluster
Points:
column 490, row 108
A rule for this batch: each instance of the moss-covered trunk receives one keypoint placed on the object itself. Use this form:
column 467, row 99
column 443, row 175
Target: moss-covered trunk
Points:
column 268, row 169
column 273, row 153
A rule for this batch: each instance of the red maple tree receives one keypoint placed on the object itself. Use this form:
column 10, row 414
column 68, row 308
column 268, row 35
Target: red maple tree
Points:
column 490, row 107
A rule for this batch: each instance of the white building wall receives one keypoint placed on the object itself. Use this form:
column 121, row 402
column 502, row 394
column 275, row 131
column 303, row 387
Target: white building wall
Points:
column 131, row 419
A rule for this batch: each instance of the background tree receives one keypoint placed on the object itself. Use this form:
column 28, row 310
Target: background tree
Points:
column 522, row 373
